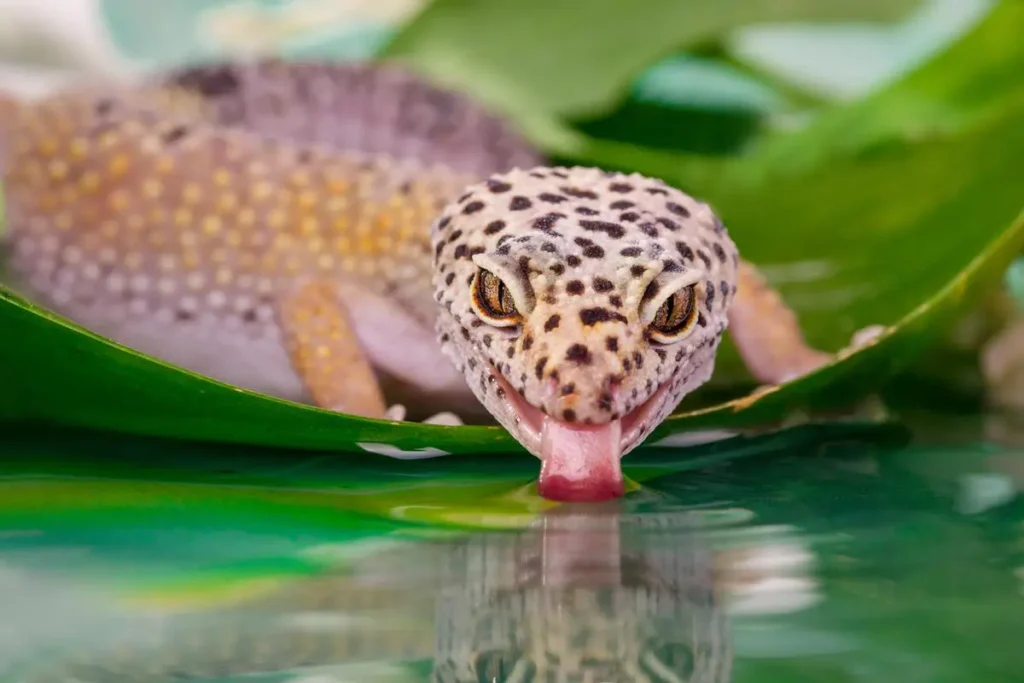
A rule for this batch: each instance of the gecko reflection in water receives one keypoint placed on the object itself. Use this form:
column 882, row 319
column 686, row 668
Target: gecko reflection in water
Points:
column 592, row 596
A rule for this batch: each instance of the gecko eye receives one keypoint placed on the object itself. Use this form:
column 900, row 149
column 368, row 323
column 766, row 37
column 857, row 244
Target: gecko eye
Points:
column 675, row 317
column 493, row 301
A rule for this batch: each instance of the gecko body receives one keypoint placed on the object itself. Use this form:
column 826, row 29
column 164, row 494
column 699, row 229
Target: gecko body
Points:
column 353, row 237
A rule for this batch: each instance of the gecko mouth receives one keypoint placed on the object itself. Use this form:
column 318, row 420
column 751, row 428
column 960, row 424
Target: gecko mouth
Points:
column 580, row 462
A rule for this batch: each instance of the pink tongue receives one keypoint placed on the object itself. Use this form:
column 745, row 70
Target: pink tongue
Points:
column 581, row 463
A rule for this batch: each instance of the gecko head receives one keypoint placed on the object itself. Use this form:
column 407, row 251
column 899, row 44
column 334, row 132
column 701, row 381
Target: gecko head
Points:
column 582, row 306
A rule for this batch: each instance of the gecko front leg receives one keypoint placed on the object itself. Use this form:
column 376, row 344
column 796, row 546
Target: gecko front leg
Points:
column 767, row 333
column 325, row 352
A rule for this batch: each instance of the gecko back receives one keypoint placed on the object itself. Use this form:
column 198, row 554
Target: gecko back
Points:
column 169, row 215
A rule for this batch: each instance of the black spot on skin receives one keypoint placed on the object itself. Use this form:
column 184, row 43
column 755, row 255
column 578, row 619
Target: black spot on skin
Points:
column 649, row 229
column 568, row 389
column 573, row 260
column 594, row 316
column 594, row 252
column 537, row 174
column 724, row 286
column 475, row 322
column 585, row 211
column 497, row 186
column 547, row 221
column 613, row 230
column 603, row 285
column 519, row 203
column 576, row 192
column 621, row 205
column 465, row 333
column 679, row 355
column 629, row 217
column 637, row 271
column 539, row 369
column 720, row 253
column 443, row 223
column 685, row 251
column 557, row 268
column 461, row 251
column 464, row 197
column 551, row 198
column 449, row 278
column 626, row 365
column 210, row 81
column 670, row 224
column 527, row 342
column 569, row 415
column 583, row 241
column 548, row 247
column 604, row 402
column 579, row 354
column 661, row 353
column 656, row 190
column 494, row 227
column 631, row 251
column 615, row 300
column 552, row 323
column 709, row 298
column 559, row 174
column 678, row 209
column 504, row 249
column 174, row 135
column 454, row 236
column 574, row 287
column 511, row 352
column 638, row 359
column 612, row 344
column 476, row 250
column 671, row 266
column 704, row 257
column 620, row 187
column 473, row 207
column 701, row 320
column 445, row 338
column 487, row 340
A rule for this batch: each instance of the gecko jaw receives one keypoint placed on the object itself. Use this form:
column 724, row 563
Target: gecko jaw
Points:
column 580, row 462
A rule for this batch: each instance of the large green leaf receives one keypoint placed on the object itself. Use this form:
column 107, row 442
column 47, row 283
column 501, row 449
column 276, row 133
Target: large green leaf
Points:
column 562, row 57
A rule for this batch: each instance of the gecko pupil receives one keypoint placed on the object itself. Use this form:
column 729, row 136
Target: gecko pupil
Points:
column 494, row 297
column 676, row 314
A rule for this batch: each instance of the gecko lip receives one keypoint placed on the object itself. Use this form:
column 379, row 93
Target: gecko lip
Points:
column 580, row 461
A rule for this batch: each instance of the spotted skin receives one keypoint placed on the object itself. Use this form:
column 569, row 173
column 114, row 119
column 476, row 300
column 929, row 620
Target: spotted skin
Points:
column 314, row 232
column 582, row 250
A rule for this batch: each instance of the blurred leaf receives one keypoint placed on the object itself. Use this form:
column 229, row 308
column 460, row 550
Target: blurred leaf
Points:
column 978, row 78
column 561, row 58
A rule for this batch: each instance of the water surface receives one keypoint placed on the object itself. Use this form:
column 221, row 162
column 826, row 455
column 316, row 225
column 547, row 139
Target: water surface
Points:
column 841, row 554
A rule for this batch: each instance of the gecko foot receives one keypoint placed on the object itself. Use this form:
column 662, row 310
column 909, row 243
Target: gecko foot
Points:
column 860, row 338
column 397, row 413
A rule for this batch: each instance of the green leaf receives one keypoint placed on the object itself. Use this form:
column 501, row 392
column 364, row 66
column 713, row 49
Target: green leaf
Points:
column 566, row 59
